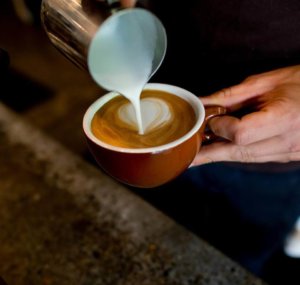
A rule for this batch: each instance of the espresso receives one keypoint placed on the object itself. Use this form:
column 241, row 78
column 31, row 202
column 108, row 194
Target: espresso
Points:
column 165, row 118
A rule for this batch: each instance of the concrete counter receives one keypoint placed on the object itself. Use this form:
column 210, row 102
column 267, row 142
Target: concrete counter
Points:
column 63, row 222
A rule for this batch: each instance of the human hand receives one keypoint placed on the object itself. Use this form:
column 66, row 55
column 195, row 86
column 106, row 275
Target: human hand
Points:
column 128, row 3
column 269, row 134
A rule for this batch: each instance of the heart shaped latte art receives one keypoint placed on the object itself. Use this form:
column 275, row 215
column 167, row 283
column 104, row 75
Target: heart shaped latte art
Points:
column 155, row 112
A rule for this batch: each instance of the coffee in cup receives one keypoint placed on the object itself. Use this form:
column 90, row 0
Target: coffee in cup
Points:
column 165, row 117
column 113, row 139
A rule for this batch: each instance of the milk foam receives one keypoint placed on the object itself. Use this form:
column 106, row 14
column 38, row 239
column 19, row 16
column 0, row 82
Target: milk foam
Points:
column 155, row 112
column 167, row 118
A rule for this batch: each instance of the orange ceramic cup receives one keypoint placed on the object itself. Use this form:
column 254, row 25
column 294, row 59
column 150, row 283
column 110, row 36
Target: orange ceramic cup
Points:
column 154, row 166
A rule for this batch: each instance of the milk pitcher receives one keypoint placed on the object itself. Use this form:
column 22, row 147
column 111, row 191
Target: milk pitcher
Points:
column 72, row 26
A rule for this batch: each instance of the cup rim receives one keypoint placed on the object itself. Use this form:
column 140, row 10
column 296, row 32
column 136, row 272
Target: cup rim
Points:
column 178, row 91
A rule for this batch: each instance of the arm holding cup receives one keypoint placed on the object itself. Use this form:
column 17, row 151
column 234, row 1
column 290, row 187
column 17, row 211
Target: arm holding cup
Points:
column 269, row 134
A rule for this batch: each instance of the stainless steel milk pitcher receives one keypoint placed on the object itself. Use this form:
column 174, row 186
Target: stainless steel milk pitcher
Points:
column 72, row 24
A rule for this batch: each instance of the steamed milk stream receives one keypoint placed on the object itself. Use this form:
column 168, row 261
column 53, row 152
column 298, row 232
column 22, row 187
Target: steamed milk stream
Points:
column 131, row 86
column 122, row 58
column 131, row 80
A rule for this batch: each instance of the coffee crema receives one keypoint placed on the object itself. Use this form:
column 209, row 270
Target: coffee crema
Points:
column 166, row 118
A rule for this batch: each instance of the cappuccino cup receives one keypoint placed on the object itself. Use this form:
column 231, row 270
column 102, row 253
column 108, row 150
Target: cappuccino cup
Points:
column 173, row 137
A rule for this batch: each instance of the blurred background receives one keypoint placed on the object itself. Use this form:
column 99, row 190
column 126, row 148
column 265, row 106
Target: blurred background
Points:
column 41, row 85
column 51, row 93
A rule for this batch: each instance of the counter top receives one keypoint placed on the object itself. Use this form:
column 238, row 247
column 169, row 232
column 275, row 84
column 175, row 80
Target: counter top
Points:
column 64, row 222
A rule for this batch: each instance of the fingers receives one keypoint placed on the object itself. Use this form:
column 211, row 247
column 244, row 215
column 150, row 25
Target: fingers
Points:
column 268, row 134
column 253, row 127
column 275, row 149
column 235, row 94
column 243, row 131
column 251, row 87
column 278, row 158
column 128, row 3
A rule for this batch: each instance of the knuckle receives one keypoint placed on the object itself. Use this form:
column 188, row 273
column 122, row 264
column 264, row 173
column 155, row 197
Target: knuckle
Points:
column 215, row 126
column 241, row 137
column 293, row 146
column 243, row 154
column 290, row 143
column 226, row 92
column 252, row 79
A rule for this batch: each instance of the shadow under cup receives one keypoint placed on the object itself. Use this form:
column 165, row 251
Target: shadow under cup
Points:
column 153, row 166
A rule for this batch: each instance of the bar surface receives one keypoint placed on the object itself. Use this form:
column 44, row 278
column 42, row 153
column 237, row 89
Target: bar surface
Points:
column 64, row 222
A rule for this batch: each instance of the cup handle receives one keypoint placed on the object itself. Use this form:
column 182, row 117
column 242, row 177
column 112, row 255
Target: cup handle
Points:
column 211, row 112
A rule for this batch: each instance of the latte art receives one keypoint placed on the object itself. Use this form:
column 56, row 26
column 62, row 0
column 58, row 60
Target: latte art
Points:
column 155, row 112
column 165, row 118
